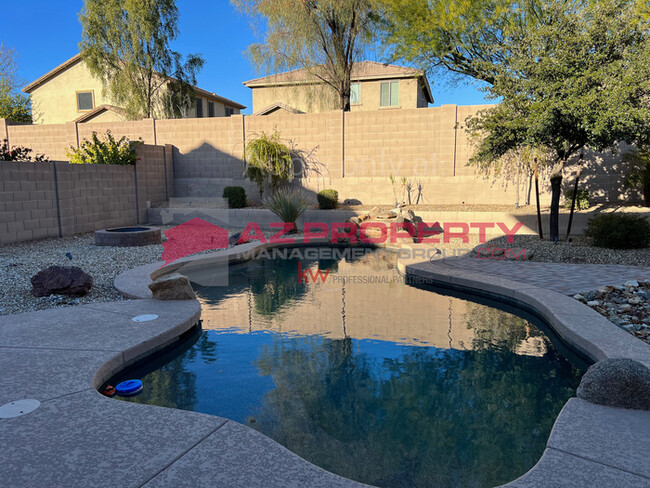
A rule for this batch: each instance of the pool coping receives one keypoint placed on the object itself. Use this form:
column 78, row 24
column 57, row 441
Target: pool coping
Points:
column 589, row 444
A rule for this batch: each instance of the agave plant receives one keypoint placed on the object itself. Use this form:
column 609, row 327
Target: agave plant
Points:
column 288, row 204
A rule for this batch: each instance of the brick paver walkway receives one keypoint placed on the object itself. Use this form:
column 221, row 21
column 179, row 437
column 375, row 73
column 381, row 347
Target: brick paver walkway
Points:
column 568, row 279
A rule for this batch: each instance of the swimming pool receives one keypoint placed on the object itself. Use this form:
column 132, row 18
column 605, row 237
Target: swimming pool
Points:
column 369, row 377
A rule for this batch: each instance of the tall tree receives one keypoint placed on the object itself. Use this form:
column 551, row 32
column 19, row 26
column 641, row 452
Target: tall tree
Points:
column 325, row 38
column 570, row 74
column 126, row 43
column 14, row 105
column 8, row 67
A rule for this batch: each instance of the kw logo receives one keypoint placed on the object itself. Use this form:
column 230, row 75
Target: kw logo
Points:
column 304, row 276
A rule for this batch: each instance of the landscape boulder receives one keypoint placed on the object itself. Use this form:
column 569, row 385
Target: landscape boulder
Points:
column 61, row 280
column 619, row 382
column 173, row 286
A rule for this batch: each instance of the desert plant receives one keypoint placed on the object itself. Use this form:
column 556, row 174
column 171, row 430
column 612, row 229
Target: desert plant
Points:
column 267, row 158
column 619, row 231
column 106, row 151
column 328, row 199
column 236, row 196
column 19, row 153
column 582, row 199
column 638, row 161
column 288, row 204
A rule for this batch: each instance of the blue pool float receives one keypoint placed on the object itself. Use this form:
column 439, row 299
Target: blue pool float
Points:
column 129, row 388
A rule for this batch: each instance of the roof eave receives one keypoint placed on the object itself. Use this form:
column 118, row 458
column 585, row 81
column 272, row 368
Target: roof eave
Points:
column 52, row 73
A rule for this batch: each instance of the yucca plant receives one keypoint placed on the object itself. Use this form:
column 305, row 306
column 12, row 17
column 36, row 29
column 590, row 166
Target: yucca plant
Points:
column 288, row 204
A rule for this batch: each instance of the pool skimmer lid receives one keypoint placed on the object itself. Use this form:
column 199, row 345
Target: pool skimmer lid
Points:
column 145, row 318
column 18, row 408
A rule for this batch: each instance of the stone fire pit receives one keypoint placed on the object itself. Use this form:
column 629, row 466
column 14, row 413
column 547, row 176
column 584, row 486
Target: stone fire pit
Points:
column 137, row 235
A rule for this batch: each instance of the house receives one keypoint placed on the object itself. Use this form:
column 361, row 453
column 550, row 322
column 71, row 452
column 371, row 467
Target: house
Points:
column 70, row 93
column 375, row 86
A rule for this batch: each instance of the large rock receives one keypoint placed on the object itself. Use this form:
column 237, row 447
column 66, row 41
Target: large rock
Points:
column 173, row 286
column 61, row 280
column 621, row 383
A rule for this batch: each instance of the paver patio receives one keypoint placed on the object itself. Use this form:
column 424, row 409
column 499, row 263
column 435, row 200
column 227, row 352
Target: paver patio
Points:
column 564, row 278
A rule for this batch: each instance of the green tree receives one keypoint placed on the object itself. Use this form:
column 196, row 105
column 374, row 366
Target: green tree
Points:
column 14, row 106
column 570, row 74
column 325, row 38
column 126, row 43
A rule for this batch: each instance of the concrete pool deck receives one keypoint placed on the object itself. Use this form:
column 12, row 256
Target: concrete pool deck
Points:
column 78, row 437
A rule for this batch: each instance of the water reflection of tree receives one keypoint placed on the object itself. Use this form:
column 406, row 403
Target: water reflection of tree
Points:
column 172, row 384
column 428, row 418
column 494, row 328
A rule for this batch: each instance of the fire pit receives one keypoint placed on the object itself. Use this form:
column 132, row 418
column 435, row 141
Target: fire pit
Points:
column 128, row 236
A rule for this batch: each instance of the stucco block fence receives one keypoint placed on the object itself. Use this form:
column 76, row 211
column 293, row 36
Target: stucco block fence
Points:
column 356, row 154
column 55, row 199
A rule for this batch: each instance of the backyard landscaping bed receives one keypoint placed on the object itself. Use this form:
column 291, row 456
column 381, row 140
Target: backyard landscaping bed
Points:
column 626, row 305
column 19, row 262
column 577, row 250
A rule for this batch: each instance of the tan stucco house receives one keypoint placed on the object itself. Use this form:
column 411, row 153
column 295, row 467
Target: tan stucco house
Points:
column 70, row 93
column 375, row 86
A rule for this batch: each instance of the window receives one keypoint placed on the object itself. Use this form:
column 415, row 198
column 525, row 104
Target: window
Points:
column 199, row 107
column 229, row 111
column 390, row 94
column 355, row 94
column 85, row 101
column 210, row 109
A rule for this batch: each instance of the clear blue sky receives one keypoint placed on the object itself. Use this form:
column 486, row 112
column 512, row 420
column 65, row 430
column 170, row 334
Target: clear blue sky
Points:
column 209, row 27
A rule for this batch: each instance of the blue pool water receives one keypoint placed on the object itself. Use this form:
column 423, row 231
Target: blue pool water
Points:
column 376, row 380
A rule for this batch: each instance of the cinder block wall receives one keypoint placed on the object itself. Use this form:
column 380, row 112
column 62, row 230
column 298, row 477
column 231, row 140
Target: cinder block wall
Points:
column 40, row 200
column 357, row 152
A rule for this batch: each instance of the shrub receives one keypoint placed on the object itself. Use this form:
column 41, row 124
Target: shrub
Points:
column 19, row 153
column 582, row 199
column 236, row 196
column 107, row 151
column 328, row 199
column 267, row 158
column 288, row 203
column 619, row 231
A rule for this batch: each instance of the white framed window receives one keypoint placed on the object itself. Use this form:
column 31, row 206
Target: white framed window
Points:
column 355, row 94
column 210, row 109
column 85, row 101
column 230, row 111
column 389, row 94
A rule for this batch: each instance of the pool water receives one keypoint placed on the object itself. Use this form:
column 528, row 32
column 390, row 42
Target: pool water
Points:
column 376, row 380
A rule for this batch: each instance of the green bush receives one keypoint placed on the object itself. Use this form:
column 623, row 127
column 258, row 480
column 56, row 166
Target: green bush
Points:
column 236, row 196
column 288, row 203
column 19, row 153
column 619, row 231
column 107, row 151
column 268, row 159
column 582, row 200
column 328, row 199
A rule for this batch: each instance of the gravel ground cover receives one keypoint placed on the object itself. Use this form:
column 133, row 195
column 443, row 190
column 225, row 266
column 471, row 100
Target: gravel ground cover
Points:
column 19, row 262
column 627, row 306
